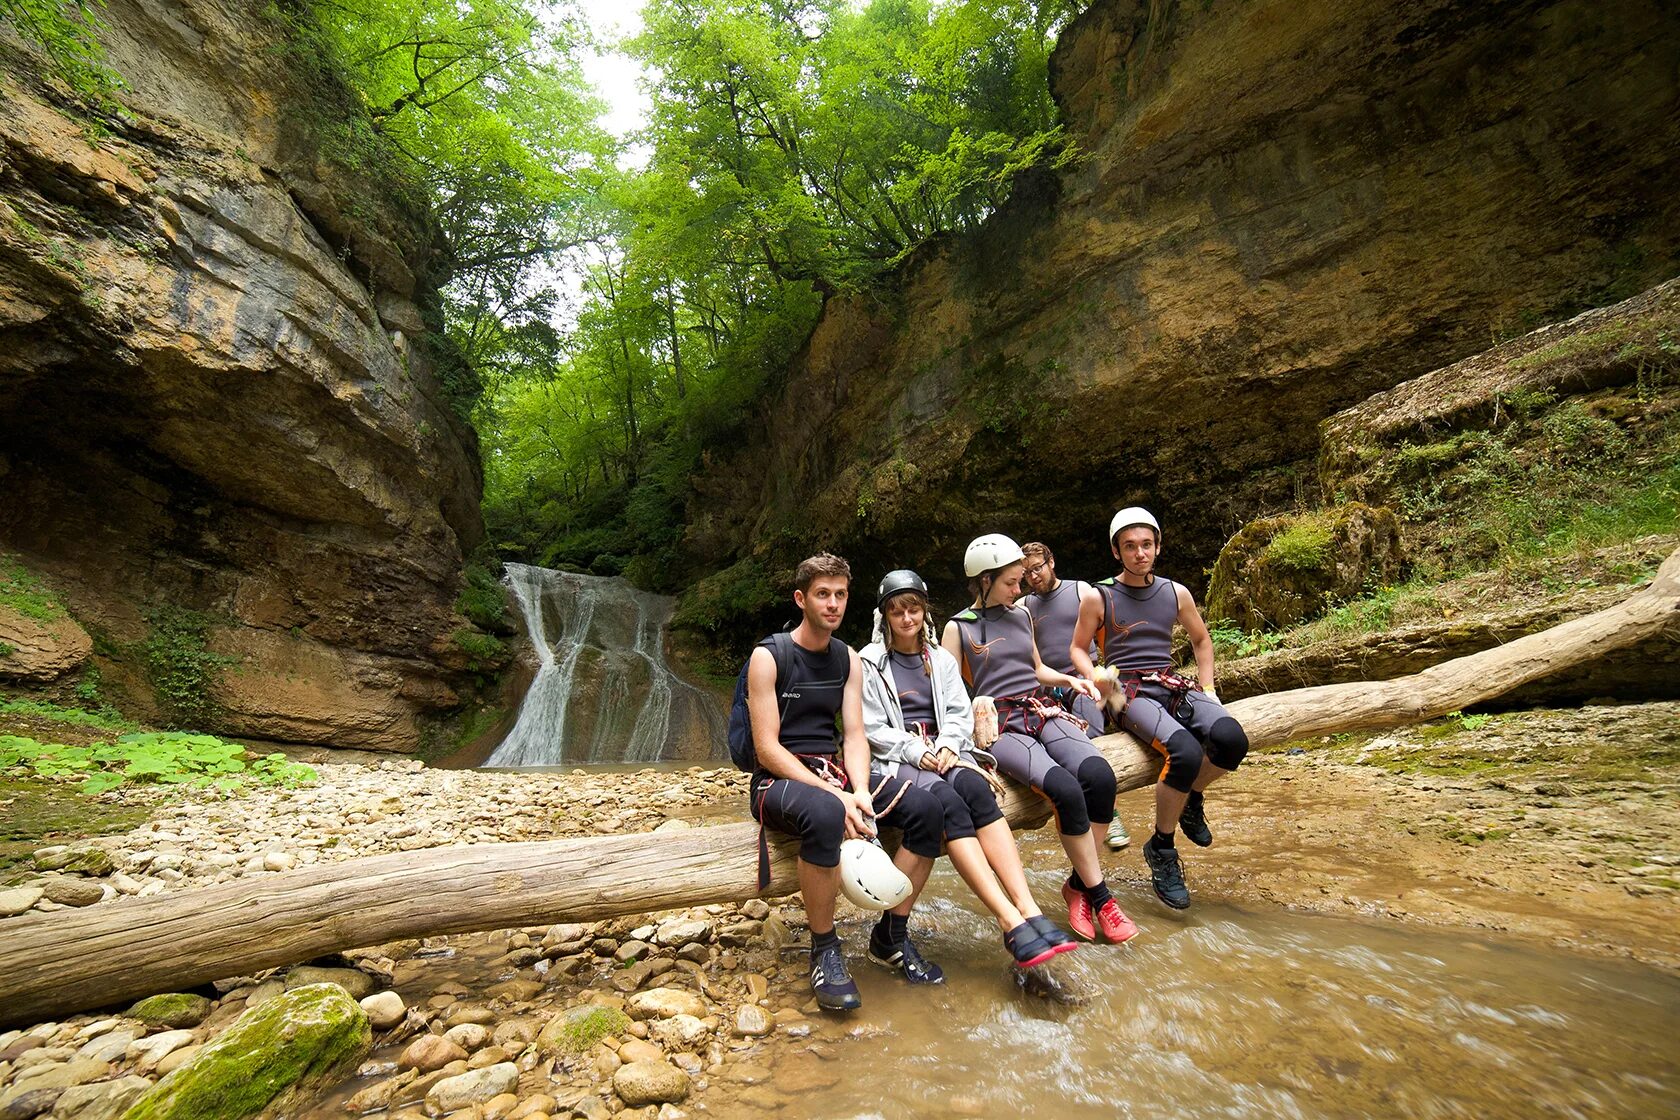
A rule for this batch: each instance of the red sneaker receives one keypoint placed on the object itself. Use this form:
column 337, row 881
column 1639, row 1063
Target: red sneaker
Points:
column 1079, row 912
column 1115, row 925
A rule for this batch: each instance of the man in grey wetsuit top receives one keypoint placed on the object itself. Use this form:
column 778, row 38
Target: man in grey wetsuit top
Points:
column 1054, row 605
column 1131, row 618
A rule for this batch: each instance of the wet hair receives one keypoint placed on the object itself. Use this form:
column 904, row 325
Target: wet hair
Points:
column 1037, row 548
column 822, row 564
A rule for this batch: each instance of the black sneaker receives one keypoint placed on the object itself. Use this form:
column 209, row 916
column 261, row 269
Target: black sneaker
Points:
column 1052, row 933
column 1193, row 822
column 1166, row 876
column 831, row 983
column 904, row 958
column 1027, row 946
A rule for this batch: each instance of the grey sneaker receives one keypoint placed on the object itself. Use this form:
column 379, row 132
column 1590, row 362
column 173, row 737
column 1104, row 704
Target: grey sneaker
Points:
column 1117, row 836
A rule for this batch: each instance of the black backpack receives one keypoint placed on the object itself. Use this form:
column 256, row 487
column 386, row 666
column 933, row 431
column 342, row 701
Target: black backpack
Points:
column 741, row 750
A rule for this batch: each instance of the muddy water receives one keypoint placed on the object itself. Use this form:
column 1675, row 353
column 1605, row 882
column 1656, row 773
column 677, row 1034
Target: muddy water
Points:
column 1227, row 1012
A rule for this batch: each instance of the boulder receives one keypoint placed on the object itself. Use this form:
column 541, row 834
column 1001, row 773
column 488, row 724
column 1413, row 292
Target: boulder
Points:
column 174, row 1010
column 273, row 1057
column 40, row 644
column 1282, row 570
column 353, row 980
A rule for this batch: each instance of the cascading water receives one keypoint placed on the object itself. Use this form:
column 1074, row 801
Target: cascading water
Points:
column 602, row 692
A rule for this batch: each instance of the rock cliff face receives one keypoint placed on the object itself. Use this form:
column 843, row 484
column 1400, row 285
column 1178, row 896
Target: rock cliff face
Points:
column 214, row 389
column 1285, row 206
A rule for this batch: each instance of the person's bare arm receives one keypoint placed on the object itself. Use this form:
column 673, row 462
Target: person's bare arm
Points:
column 1085, row 631
column 854, row 750
column 1201, row 642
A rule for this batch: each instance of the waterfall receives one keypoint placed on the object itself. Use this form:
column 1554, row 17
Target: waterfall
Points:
column 603, row 691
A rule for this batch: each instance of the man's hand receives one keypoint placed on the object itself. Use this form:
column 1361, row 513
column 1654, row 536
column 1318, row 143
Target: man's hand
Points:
column 860, row 812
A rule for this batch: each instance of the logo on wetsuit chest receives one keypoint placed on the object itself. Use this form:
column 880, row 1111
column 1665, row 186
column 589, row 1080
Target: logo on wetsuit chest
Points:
column 790, row 696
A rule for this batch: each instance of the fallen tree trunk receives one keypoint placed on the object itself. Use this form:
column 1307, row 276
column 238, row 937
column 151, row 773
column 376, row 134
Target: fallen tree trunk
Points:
column 54, row 964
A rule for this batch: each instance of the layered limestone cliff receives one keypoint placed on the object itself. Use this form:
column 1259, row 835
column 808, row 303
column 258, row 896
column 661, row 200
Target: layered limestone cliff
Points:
column 1283, row 207
column 215, row 394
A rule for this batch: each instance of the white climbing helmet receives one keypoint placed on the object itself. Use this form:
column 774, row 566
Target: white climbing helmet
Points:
column 992, row 551
column 1130, row 517
column 868, row 876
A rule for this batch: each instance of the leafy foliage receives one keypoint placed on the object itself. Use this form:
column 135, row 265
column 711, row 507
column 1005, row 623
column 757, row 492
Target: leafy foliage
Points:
column 181, row 667
column 165, row 757
column 795, row 150
column 23, row 592
column 67, row 30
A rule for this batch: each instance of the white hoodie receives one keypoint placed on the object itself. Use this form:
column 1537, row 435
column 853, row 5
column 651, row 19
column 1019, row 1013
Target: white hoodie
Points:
column 883, row 719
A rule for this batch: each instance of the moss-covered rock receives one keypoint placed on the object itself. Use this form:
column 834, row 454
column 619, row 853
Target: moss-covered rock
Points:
column 76, row 861
column 272, row 1057
column 172, row 1009
column 576, row 1030
column 1278, row 571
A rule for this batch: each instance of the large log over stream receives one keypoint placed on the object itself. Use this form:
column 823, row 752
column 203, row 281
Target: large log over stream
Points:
column 55, row 964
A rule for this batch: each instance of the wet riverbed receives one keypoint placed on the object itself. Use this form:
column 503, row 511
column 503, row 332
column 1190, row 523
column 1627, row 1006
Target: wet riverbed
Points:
column 1231, row 1012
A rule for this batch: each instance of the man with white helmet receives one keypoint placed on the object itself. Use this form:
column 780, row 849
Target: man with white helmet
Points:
column 1130, row 618
column 809, row 785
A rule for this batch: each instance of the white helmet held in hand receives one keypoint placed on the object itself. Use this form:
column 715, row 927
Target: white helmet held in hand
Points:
column 992, row 551
column 1130, row 517
column 868, row 876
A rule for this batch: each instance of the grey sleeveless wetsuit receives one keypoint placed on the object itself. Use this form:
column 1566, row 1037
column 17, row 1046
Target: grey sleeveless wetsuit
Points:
column 1050, row 754
column 1056, row 616
column 1136, row 638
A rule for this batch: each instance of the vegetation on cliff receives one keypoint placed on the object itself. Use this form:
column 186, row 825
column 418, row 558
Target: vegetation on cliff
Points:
column 794, row 150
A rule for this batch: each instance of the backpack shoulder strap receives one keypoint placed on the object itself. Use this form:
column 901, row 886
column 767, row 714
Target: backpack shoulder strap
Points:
column 781, row 648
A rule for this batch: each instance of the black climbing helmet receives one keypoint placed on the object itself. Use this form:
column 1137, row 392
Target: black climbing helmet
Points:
column 897, row 582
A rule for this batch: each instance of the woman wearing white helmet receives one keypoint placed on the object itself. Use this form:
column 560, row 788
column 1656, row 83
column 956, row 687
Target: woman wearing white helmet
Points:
column 996, row 649
column 920, row 724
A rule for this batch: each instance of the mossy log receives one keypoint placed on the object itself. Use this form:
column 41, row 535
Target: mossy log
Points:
column 68, row 961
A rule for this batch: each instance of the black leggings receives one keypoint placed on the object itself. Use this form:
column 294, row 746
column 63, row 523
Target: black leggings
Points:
column 965, row 798
column 1201, row 730
column 1060, row 762
column 819, row 820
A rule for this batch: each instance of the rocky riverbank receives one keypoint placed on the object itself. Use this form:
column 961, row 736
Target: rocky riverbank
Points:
column 1556, row 825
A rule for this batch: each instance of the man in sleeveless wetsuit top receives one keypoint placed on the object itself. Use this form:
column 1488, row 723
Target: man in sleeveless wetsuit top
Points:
column 1130, row 618
column 1054, row 605
column 808, row 785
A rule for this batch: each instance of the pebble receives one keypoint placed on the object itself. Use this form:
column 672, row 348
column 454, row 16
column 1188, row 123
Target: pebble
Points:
column 384, row 1010
column 650, row 1082
column 430, row 1052
column 662, row 1003
column 472, row 1087
column 15, row 901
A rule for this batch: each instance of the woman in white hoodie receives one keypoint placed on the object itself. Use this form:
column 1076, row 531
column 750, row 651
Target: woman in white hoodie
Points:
column 920, row 726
